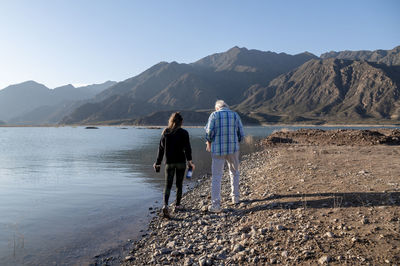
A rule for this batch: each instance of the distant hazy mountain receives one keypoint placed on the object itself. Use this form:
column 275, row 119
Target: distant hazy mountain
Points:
column 116, row 107
column 387, row 57
column 329, row 90
column 20, row 98
column 170, row 86
column 46, row 114
column 31, row 103
column 69, row 92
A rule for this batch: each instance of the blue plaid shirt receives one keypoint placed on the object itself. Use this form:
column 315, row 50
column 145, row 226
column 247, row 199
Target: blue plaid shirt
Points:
column 224, row 130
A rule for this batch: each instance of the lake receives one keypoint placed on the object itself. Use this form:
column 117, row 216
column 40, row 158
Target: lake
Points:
column 70, row 193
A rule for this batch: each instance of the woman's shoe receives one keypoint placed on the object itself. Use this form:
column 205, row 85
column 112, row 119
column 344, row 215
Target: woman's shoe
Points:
column 165, row 212
column 178, row 208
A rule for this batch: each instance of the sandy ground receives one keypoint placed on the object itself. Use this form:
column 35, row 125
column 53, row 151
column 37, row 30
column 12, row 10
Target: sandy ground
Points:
column 338, row 201
column 308, row 197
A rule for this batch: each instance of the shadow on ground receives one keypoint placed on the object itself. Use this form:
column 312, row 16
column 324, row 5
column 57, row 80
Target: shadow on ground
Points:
column 307, row 201
column 327, row 200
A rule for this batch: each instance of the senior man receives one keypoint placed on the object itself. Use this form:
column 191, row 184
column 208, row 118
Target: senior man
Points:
column 224, row 132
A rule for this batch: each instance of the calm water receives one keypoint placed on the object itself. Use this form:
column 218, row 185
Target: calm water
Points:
column 68, row 194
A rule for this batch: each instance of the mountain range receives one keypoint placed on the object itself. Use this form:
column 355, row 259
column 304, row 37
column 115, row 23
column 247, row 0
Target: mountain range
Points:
column 195, row 86
column 33, row 103
column 387, row 57
column 265, row 87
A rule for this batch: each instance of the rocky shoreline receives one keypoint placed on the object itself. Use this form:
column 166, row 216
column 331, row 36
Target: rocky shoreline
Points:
column 302, row 203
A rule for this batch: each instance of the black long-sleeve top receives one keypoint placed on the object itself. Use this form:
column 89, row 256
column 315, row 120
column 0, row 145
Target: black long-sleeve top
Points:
column 176, row 146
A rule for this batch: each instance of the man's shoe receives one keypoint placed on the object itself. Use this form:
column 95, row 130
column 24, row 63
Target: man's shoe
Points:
column 235, row 200
column 214, row 209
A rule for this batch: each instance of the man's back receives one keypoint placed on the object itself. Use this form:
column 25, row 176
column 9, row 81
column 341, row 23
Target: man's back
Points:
column 224, row 130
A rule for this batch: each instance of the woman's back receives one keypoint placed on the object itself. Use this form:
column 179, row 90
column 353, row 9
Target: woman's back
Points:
column 176, row 145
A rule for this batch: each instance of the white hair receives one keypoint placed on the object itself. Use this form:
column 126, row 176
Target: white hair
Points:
column 220, row 104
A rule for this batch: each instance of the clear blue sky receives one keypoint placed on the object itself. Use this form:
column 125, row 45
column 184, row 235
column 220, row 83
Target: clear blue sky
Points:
column 56, row 42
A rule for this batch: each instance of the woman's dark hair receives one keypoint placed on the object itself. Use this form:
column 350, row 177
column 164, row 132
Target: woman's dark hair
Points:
column 175, row 121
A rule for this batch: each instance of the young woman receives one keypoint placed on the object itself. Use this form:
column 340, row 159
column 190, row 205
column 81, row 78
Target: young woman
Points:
column 175, row 144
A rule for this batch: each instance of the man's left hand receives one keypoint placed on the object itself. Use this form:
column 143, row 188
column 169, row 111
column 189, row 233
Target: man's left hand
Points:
column 208, row 146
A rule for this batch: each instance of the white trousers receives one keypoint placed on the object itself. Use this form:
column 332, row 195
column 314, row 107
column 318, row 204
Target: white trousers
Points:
column 217, row 169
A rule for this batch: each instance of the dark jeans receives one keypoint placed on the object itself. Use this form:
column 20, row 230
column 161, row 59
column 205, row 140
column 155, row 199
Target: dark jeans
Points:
column 170, row 171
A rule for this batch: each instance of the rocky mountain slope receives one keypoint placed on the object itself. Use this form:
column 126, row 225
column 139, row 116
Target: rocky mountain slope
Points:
column 388, row 57
column 329, row 90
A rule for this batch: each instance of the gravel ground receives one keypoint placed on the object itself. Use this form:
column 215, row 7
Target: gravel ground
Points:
column 307, row 201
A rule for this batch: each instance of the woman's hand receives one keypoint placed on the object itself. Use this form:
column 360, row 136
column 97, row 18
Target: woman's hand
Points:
column 192, row 165
column 156, row 167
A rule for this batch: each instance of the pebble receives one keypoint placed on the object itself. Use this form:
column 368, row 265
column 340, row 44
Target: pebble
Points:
column 165, row 251
column 175, row 253
column 203, row 261
column 364, row 221
column 221, row 256
column 128, row 258
column 262, row 231
column 171, row 245
column 324, row 259
column 329, row 234
column 279, row 227
column 188, row 261
column 238, row 248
